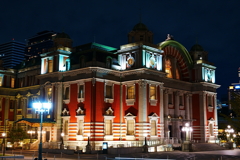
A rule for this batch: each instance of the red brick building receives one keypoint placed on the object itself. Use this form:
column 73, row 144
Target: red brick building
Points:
column 115, row 95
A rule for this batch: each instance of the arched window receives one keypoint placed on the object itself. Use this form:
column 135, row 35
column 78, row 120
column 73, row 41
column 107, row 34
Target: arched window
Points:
column 168, row 67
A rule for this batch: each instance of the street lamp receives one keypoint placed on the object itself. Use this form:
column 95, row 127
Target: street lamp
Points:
column 229, row 130
column 41, row 107
column 4, row 135
column 62, row 145
column 188, row 131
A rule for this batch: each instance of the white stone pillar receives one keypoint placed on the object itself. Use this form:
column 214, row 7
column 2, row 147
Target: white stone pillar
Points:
column 142, row 102
column 161, row 114
column 176, row 132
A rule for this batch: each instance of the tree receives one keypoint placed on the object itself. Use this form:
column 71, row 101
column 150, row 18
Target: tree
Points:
column 17, row 134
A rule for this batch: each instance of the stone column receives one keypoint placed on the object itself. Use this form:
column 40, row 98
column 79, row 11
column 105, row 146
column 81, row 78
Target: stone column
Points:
column 166, row 130
column 203, row 115
column 161, row 114
column 176, row 132
column 142, row 102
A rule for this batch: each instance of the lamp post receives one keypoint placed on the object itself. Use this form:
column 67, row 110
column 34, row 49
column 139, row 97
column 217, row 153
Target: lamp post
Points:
column 229, row 131
column 41, row 107
column 188, row 131
column 62, row 145
column 4, row 135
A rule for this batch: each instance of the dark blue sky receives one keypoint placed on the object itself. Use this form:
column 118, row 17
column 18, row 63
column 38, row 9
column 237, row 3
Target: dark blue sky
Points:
column 215, row 24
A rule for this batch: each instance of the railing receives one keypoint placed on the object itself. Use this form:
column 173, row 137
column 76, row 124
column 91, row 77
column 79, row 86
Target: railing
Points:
column 122, row 144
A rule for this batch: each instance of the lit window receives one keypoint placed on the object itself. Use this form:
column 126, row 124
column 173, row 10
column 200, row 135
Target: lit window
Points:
column 130, row 127
column 49, row 94
column 12, row 82
column 108, row 127
column 153, row 128
column 50, row 66
column 80, row 127
column 153, row 92
column 130, row 92
column 66, row 127
column 1, row 79
column 168, row 68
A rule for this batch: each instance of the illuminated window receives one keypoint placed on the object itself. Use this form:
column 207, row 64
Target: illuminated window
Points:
column 130, row 92
column 170, row 100
column 211, row 129
column 168, row 68
column 49, row 94
column 177, row 74
column 108, row 127
column 67, row 94
column 80, row 91
column 130, row 127
column 50, row 66
column 12, row 82
column 109, row 91
column 66, row 127
column 1, row 79
column 153, row 128
column 80, row 127
column 153, row 92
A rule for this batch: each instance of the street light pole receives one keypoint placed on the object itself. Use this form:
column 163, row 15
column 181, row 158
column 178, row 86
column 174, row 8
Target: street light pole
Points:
column 4, row 136
column 62, row 145
column 41, row 107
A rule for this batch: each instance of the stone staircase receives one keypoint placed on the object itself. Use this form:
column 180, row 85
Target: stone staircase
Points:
column 197, row 147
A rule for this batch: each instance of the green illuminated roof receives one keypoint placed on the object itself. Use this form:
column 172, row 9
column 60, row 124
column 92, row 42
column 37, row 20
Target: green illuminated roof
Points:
column 181, row 49
column 103, row 47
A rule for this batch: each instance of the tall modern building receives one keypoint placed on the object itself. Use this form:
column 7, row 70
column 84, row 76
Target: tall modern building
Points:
column 12, row 53
column 116, row 95
column 39, row 44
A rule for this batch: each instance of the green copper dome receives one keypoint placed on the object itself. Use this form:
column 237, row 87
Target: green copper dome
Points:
column 62, row 35
column 196, row 47
column 140, row 27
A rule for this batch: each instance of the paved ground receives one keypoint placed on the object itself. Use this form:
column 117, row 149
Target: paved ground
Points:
column 178, row 155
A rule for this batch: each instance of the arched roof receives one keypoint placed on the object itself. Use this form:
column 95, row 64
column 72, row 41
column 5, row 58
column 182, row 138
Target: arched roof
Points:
column 140, row 27
column 62, row 35
column 197, row 47
column 180, row 48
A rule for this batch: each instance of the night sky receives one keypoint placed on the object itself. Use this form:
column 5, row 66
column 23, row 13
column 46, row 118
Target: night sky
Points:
column 213, row 24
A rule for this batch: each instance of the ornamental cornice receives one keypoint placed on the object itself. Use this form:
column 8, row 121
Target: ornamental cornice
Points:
column 89, row 70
